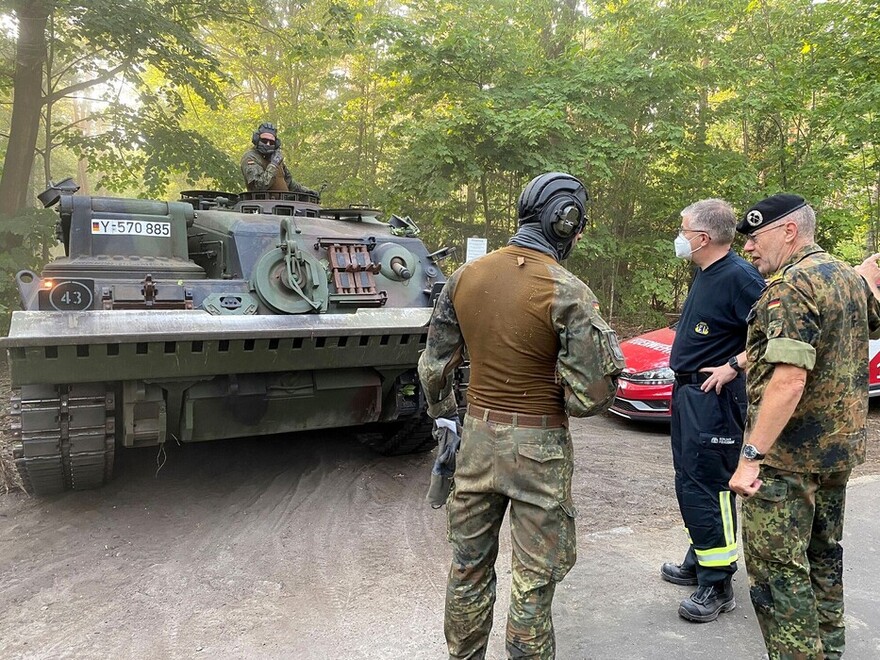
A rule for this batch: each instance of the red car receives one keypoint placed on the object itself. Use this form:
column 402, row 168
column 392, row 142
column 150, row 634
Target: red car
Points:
column 644, row 390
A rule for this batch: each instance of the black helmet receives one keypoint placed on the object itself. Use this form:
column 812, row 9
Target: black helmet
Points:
column 558, row 201
column 266, row 149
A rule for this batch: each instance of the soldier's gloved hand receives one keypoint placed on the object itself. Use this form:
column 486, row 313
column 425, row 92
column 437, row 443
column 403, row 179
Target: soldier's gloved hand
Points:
column 277, row 158
column 447, row 433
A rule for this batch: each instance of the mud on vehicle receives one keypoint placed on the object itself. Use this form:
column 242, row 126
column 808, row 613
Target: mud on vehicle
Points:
column 217, row 316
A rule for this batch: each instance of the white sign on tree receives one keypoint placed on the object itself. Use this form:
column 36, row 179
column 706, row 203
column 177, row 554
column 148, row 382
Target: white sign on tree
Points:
column 476, row 247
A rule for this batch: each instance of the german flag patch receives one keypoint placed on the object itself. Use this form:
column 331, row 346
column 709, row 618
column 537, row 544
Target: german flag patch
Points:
column 773, row 304
column 596, row 305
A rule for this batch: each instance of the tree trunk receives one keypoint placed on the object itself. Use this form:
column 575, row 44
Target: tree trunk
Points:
column 82, row 165
column 484, row 189
column 471, row 203
column 47, row 143
column 27, row 101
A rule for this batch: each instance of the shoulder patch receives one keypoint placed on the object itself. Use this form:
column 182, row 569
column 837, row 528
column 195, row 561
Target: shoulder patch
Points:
column 774, row 329
column 251, row 161
column 774, row 303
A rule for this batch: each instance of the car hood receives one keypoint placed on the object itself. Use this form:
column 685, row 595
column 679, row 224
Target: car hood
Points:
column 648, row 351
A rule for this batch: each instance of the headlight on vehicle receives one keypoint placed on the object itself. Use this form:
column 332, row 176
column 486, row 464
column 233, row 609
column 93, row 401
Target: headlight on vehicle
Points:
column 663, row 376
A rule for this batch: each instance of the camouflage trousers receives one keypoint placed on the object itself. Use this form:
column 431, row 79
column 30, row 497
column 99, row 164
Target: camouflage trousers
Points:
column 530, row 470
column 791, row 531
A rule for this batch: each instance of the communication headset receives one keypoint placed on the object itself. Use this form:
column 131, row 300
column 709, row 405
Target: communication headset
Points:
column 265, row 127
column 562, row 217
column 556, row 200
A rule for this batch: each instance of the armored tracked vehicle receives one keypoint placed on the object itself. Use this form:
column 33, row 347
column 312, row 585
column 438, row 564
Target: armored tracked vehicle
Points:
column 217, row 316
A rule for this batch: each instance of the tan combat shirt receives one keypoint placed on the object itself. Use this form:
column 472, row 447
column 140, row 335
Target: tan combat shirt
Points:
column 534, row 337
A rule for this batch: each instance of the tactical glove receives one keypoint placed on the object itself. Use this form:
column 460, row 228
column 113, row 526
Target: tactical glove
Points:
column 277, row 158
column 447, row 433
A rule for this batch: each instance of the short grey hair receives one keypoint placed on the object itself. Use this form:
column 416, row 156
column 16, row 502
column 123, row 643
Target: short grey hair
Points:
column 805, row 219
column 714, row 216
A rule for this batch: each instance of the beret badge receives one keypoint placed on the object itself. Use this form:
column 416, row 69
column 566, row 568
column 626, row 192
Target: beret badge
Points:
column 770, row 209
column 754, row 218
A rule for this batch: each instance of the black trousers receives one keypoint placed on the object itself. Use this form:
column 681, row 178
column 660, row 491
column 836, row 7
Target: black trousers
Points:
column 707, row 433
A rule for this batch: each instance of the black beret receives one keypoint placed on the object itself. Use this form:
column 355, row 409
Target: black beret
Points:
column 769, row 210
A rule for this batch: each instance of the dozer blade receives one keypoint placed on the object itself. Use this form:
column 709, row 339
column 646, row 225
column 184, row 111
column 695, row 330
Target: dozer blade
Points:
column 106, row 346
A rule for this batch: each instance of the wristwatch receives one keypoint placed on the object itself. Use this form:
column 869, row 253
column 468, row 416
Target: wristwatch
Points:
column 751, row 453
column 733, row 362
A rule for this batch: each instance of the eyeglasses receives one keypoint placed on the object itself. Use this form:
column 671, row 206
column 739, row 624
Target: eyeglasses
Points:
column 682, row 230
column 267, row 141
column 754, row 237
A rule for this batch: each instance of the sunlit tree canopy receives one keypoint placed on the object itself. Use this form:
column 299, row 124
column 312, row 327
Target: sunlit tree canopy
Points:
column 443, row 110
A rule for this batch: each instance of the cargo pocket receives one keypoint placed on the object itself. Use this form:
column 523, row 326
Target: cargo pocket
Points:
column 542, row 474
column 541, row 453
column 767, row 523
column 566, row 554
column 772, row 491
column 719, row 455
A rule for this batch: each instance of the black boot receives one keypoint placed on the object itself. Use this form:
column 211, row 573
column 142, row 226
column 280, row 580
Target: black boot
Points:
column 678, row 574
column 707, row 602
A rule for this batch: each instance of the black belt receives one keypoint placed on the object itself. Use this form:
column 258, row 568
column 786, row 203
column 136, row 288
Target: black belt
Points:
column 695, row 378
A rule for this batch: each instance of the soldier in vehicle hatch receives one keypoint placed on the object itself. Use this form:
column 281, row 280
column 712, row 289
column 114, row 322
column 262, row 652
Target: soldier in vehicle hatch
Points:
column 263, row 166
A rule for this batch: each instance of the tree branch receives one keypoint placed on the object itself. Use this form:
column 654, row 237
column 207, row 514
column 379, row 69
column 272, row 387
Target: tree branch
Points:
column 61, row 129
column 59, row 73
column 66, row 91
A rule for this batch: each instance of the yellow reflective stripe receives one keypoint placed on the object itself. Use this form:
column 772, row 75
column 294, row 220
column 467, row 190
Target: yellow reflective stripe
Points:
column 727, row 517
column 727, row 554
column 717, row 556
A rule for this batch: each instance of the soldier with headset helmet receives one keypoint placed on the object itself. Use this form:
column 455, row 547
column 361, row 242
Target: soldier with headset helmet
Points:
column 263, row 166
column 539, row 352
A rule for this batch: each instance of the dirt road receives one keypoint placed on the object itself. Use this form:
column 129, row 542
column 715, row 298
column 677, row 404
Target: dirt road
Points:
column 297, row 547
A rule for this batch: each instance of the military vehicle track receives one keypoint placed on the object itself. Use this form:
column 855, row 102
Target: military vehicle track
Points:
column 63, row 436
column 408, row 437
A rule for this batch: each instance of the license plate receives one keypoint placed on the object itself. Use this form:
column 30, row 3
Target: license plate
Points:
column 131, row 228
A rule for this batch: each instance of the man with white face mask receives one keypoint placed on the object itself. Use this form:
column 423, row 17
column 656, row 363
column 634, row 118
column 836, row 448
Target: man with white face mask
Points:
column 709, row 404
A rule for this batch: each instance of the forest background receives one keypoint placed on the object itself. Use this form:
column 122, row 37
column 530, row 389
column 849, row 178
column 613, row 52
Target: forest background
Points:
column 444, row 109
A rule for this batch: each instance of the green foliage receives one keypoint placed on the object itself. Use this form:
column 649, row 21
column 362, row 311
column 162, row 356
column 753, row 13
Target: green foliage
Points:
column 143, row 62
column 443, row 110
column 161, row 147
column 35, row 233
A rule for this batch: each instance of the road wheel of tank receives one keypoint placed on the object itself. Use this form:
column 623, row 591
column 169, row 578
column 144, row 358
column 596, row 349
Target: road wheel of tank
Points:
column 63, row 436
column 411, row 436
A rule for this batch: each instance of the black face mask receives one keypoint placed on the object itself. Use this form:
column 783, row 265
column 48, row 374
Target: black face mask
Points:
column 267, row 149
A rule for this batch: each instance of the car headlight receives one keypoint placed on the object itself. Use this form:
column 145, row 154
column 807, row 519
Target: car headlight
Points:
column 663, row 376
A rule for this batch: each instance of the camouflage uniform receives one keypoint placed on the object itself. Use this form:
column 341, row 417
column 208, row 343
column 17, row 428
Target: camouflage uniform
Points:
column 812, row 315
column 533, row 336
column 260, row 174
